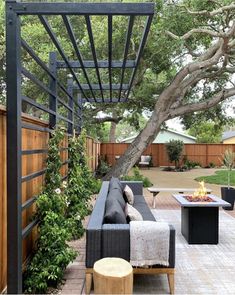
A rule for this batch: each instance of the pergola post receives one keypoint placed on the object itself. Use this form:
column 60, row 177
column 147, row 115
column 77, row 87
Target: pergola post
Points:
column 14, row 201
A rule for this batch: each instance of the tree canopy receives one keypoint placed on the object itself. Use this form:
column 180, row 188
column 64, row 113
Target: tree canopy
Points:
column 187, row 67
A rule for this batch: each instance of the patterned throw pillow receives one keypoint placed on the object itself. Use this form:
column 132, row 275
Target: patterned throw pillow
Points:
column 132, row 214
column 129, row 194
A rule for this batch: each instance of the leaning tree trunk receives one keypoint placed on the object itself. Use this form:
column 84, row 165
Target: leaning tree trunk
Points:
column 112, row 132
column 136, row 148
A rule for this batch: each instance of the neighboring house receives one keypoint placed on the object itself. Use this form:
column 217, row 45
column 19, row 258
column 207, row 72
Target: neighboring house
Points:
column 228, row 137
column 165, row 135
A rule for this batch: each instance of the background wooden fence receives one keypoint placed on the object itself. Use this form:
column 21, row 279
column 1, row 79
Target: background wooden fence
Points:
column 204, row 154
column 31, row 163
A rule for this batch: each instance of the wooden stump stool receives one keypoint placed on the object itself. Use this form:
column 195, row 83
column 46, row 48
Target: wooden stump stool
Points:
column 113, row 276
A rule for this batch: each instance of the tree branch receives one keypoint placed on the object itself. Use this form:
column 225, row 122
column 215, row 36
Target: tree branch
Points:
column 204, row 105
column 107, row 119
column 211, row 13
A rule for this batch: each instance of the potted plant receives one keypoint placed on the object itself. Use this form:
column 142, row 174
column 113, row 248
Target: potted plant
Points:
column 228, row 193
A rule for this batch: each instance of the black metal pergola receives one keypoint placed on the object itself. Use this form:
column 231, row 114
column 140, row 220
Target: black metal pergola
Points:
column 16, row 73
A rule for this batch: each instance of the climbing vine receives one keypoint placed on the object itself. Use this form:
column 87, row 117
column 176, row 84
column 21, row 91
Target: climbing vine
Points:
column 52, row 252
column 81, row 183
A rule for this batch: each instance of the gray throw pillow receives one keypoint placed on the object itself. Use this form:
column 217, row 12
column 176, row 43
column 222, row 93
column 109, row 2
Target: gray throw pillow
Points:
column 132, row 214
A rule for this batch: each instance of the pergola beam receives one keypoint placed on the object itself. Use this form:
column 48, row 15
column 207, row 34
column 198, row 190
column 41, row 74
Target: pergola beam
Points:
column 83, row 8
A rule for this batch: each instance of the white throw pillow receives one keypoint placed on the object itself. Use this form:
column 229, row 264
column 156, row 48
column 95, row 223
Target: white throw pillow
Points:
column 132, row 213
column 129, row 194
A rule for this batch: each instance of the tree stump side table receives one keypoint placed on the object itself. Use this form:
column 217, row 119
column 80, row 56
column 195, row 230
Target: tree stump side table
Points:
column 113, row 276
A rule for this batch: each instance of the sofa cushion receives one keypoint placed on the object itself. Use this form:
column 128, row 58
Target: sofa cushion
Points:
column 115, row 194
column 114, row 212
column 143, row 208
column 139, row 199
column 115, row 184
column 132, row 214
column 128, row 195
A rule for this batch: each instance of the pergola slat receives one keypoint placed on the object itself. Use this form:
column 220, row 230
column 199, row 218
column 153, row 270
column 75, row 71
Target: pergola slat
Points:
column 110, row 32
column 141, row 47
column 89, row 64
column 90, row 34
column 127, row 44
column 104, row 86
column 79, row 56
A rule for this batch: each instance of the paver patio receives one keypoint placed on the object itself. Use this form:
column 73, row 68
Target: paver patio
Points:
column 217, row 278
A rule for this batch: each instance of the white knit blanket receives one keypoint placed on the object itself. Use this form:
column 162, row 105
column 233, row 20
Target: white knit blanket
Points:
column 149, row 241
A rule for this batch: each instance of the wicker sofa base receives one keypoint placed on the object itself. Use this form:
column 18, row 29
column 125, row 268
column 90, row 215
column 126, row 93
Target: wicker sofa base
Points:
column 138, row 270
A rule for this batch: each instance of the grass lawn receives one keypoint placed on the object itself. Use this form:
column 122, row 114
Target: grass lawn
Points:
column 220, row 177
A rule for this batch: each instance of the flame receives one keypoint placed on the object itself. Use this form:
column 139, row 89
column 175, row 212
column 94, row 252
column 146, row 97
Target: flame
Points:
column 201, row 191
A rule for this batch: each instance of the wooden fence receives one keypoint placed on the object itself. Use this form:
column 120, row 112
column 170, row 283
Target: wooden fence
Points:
column 31, row 139
column 204, row 154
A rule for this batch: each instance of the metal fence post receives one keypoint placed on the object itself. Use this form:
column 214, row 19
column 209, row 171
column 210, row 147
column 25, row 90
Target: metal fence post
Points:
column 14, row 200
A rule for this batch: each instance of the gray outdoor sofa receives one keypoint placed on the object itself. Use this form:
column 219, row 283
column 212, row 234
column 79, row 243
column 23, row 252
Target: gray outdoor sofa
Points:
column 113, row 240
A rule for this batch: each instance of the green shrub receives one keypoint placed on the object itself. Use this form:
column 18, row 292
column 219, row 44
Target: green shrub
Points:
column 138, row 177
column 174, row 150
column 211, row 165
column 191, row 164
column 103, row 167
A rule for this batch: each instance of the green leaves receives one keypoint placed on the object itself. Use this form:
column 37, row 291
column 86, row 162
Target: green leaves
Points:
column 52, row 254
column 174, row 150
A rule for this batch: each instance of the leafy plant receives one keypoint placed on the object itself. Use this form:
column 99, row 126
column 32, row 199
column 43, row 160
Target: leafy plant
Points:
column 52, row 254
column 174, row 150
column 103, row 167
column 81, row 184
column 138, row 177
column 227, row 160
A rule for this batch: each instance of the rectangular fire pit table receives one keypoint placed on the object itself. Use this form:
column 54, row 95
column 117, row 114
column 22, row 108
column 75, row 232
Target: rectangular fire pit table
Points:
column 200, row 220
column 156, row 190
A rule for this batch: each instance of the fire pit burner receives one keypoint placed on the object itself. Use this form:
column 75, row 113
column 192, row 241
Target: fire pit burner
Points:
column 199, row 199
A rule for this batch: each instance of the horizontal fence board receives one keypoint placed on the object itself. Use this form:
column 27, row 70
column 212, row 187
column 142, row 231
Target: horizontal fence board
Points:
column 204, row 154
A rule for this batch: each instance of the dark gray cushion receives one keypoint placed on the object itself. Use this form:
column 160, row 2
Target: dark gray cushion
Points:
column 115, row 184
column 139, row 199
column 141, row 205
column 115, row 194
column 114, row 212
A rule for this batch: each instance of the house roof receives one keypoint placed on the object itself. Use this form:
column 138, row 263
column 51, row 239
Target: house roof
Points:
column 167, row 130
column 228, row 134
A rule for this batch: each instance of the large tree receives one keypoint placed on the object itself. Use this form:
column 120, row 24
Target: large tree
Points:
column 199, row 38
